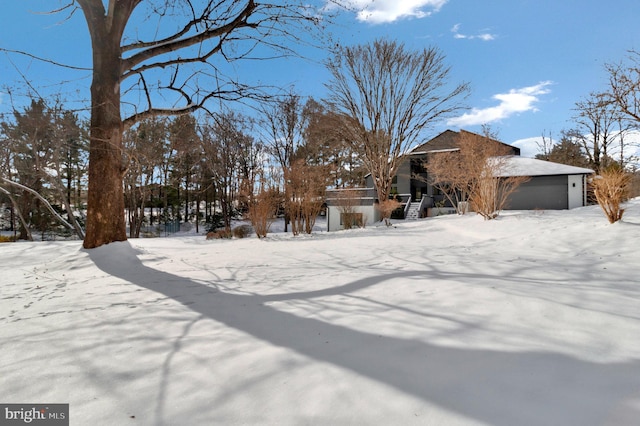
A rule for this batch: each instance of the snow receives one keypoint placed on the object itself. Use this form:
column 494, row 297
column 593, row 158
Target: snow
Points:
column 530, row 319
column 522, row 166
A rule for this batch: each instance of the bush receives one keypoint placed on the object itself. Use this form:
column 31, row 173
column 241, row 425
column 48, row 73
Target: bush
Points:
column 386, row 208
column 220, row 234
column 262, row 211
column 7, row 239
column 242, row 231
column 611, row 188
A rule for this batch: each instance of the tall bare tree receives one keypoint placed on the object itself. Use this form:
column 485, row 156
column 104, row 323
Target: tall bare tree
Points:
column 185, row 141
column 283, row 123
column 388, row 95
column 597, row 128
column 624, row 93
column 180, row 52
column 225, row 141
column 624, row 86
column 144, row 160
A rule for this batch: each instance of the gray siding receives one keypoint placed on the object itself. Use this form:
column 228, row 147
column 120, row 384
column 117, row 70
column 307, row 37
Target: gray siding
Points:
column 541, row 192
column 404, row 177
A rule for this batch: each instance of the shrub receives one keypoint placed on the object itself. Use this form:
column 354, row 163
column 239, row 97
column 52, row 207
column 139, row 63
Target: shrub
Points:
column 611, row 188
column 262, row 211
column 220, row 234
column 242, row 231
column 387, row 207
column 7, row 239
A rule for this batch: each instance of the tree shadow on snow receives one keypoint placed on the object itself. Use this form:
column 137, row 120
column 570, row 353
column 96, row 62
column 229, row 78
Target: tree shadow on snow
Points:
column 495, row 387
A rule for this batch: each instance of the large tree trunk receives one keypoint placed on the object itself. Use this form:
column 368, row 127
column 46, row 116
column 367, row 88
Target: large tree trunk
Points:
column 105, row 203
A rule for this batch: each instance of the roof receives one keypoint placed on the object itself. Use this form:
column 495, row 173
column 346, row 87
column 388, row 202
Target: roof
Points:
column 521, row 166
column 448, row 141
column 433, row 151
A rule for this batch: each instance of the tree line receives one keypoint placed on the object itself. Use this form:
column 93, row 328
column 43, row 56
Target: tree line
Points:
column 207, row 169
column 212, row 167
column 382, row 97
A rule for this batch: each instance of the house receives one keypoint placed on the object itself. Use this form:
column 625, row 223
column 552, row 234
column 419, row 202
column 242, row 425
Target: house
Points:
column 551, row 186
column 354, row 207
column 411, row 180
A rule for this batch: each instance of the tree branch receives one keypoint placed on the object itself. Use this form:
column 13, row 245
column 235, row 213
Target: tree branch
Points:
column 174, row 44
column 44, row 201
column 49, row 61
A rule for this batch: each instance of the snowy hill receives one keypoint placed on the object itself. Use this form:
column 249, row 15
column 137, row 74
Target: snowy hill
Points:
column 531, row 319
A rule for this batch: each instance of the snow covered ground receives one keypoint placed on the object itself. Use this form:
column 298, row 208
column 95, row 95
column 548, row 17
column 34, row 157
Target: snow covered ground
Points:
column 531, row 319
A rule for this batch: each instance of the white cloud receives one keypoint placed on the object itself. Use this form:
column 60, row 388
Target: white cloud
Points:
column 514, row 102
column 529, row 147
column 381, row 11
column 533, row 145
column 484, row 36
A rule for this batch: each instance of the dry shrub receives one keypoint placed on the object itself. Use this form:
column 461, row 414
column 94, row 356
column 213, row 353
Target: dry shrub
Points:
column 492, row 193
column 242, row 231
column 220, row 234
column 387, row 207
column 262, row 211
column 351, row 220
column 611, row 189
column 6, row 239
column 306, row 186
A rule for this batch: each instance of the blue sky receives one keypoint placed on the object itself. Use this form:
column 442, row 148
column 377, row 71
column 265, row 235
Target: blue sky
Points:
column 528, row 61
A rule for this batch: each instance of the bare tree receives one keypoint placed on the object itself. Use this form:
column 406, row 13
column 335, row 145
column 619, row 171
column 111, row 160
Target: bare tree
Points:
column 144, row 159
column 283, row 123
column 545, row 146
column 597, row 119
column 451, row 175
column 250, row 168
column 387, row 96
column 476, row 175
column 624, row 86
column 185, row 141
column 224, row 139
column 187, row 37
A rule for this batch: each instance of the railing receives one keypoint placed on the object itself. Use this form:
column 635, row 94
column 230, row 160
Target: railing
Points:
column 423, row 200
column 406, row 207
